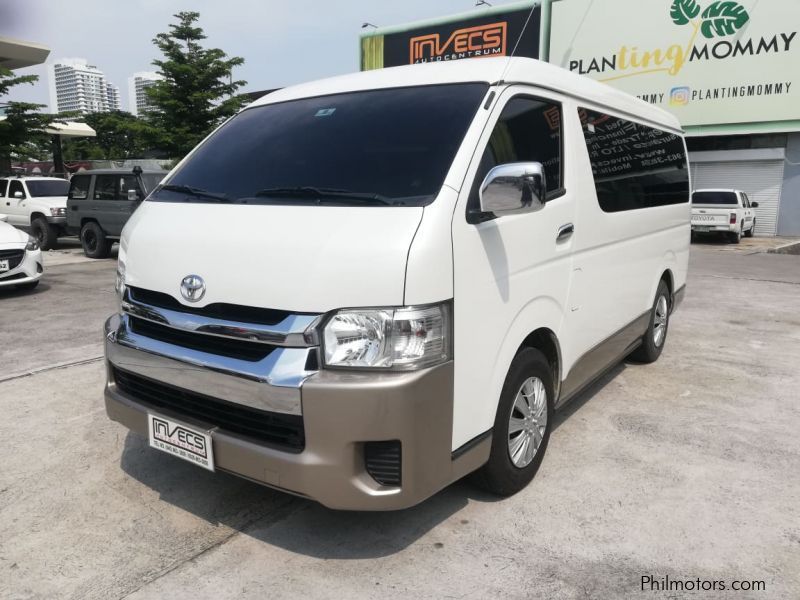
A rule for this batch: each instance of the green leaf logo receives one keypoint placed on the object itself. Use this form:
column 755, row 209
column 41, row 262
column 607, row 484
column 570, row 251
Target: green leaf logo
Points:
column 683, row 11
column 723, row 18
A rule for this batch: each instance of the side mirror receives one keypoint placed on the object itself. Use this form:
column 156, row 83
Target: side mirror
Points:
column 19, row 195
column 754, row 205
column 514, row 188
column 132, row 196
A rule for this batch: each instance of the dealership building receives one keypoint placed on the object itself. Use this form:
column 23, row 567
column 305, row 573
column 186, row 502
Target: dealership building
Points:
column 730, row 72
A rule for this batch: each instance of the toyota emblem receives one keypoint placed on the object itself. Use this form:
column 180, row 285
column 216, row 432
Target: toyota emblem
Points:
column 193, row 288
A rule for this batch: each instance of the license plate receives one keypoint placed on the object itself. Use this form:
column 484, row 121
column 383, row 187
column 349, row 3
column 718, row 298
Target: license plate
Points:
column 180, row 440
column 4, row 266
column 701, row 229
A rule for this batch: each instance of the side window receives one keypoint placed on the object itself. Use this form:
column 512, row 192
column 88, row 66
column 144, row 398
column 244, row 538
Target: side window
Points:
column 634, row 166
column 16, row 186
column 529, row 129
column 128, row 182
column 105, row 187
column 746, row 200
column 79, row 187
column 3, row 186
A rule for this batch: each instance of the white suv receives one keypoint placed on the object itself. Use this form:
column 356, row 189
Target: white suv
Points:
column 38, row 204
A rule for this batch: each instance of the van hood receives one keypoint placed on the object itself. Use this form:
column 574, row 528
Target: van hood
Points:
column 300, row 258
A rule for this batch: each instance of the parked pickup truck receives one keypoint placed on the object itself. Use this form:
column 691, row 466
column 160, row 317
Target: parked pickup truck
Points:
column 726, row 212
column 38, row 204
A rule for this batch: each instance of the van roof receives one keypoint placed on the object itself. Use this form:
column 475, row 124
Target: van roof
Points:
column 489, row 70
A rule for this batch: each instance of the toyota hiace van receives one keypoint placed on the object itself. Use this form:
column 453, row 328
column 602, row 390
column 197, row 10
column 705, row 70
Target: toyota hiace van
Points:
column 362, row 289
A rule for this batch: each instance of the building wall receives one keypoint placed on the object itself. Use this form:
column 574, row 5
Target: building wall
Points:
column 789, row 215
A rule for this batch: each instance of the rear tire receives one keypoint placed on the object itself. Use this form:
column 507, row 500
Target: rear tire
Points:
column 526, row 405
column 655, row 338
column 44, row 233
column 752, row 231
column 94, row 241
column 735, row 236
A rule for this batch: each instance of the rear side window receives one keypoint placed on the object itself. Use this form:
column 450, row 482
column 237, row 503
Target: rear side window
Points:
column 105, row 187
column 3, row 186
column 79, row 187
column 634, row 166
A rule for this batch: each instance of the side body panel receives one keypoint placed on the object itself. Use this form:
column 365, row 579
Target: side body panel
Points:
column 511, row 277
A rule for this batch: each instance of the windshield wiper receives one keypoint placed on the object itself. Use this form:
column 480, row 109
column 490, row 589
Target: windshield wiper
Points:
column 324, row 195
column 196, row 192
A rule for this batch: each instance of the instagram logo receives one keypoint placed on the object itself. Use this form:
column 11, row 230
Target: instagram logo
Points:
column 679, row 96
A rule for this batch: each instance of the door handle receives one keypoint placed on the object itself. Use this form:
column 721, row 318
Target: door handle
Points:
column 565, row 231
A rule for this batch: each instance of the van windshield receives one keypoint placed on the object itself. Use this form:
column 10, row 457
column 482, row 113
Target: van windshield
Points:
column 714, row 198
column 382, row 147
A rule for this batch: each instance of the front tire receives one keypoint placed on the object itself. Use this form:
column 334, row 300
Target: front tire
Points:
column 44, row 233
column 521, row 427
column 94, row 241
column 657, row 328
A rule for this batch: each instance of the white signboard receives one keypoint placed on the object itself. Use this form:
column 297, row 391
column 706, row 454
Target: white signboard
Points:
column 708, row 62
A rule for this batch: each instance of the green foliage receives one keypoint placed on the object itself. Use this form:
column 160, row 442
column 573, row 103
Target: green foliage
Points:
column 120, row 135
column 198, row 90
column 22, row 133
column 683, row 11
column 723, row 18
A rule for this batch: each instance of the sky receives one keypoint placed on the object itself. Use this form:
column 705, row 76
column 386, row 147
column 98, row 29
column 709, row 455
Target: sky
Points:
column 282, row 42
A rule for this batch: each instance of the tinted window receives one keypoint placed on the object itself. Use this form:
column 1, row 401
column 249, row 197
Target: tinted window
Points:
column 634, row 166
column 3, row 186
column 396, row 143
column 128, row 182
column 714, row 198
column 16, row 186
column 105, row 187
column 151, row 180
column 79, row 187
column 50, row 187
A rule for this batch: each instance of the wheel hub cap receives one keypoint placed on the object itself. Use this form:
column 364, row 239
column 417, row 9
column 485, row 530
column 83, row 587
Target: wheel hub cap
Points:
column 527, row 422
column 660, row 321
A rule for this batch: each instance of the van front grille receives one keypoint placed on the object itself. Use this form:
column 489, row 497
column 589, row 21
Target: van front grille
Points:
column 212, row 344
column 283, row 431
column 219, row 310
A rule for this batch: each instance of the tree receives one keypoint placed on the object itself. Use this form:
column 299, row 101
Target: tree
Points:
column 198, row 90
column 22, row 130
column 120, row 135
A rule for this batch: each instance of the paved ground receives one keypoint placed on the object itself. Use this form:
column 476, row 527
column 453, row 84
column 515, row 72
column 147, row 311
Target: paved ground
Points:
column 687, row 468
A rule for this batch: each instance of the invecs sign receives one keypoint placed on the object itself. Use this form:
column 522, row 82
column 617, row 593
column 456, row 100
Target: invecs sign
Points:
column 481, row 34
column 470, row 42
column 709, row 61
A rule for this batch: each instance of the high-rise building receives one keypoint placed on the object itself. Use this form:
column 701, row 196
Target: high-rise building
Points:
column 137, row 96
column 77, row 86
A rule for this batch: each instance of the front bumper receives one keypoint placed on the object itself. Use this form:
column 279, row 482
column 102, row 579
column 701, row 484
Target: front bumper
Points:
column 60, row 222
column 28, row 271
column 341, row 411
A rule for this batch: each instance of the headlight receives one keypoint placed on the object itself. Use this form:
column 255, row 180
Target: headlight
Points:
column 119, row 286
column 58, row 212
column 389, row 338
column 33, row 243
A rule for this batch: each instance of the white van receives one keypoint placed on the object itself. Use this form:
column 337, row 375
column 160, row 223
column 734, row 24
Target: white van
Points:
column 362, row 289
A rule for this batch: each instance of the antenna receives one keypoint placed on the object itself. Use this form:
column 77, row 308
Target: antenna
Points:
column 365, row 25
column 521, row 33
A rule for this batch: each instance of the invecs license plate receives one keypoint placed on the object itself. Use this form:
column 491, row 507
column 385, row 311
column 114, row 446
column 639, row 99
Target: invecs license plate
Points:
column 4, row 265
column 180, row 440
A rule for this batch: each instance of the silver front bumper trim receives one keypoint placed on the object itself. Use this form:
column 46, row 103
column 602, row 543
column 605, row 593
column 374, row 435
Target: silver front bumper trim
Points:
column 272, row 384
